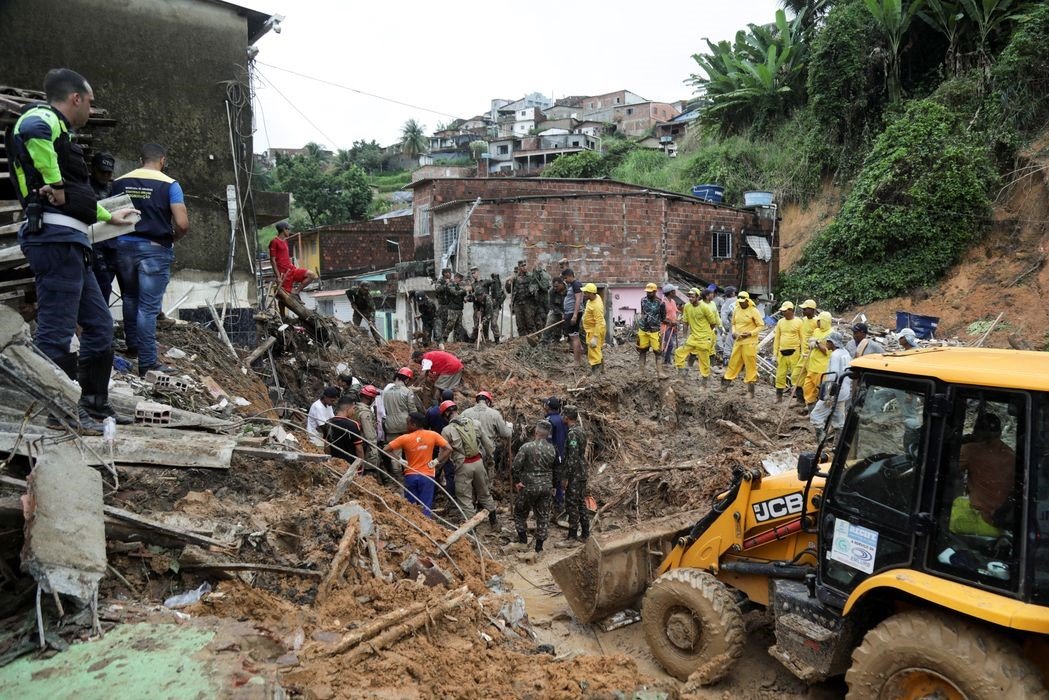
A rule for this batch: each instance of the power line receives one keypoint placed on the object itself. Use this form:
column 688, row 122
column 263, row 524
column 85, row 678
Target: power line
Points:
column 359, row 92
column 302, row 114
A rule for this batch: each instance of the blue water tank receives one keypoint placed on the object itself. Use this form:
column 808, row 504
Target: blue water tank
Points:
column 710, row 193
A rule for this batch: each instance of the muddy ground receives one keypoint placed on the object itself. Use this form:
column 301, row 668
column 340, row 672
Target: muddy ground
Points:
column 657, row 449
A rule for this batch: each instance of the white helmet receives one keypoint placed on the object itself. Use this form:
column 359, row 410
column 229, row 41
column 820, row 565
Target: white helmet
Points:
column 907, row 338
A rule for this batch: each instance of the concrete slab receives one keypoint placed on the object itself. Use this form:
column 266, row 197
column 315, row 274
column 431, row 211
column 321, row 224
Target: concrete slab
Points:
column 160, row 447
column 65, row 536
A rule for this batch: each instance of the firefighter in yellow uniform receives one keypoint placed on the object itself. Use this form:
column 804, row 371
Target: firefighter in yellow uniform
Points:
column 594, row 325
column 747, row 322
column 819, row 358
column 701, row 319
column 786, row 346
column 808, row 327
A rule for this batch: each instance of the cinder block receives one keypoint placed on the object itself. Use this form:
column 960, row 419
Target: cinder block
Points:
column 150, row 413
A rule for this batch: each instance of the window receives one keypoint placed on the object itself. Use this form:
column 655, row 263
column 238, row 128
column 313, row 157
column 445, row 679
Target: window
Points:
column 575, row 144
column 1039, row 519
column 629, row 110
column 979, row 506
column 449, row 234
column 504, row 150
column 722, row 245
column 424, row 223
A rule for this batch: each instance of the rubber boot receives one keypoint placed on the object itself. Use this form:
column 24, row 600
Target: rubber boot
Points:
column 93, row 376
column 85, row 424
column 779, row 395
column 659, row 369
column 703, row 380
column 538, row 545
column 644, row 360
column 522, row 537
column 750, row 388
column 573, row 533
column 594, row 369
column 682, row 372
column 584, row 524
column 492, row 520
column 601, row 367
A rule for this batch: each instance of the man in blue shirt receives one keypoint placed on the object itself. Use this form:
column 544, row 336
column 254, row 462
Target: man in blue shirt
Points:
column 144, row 257
column 53, row 185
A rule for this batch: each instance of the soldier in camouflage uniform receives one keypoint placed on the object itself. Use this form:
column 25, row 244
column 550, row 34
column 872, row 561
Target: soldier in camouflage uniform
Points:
column 533, row 478
column 521, row 298
column 483, row 312
column 495, row 291
column 573, row 474
column 453, row 325
column 440, row 295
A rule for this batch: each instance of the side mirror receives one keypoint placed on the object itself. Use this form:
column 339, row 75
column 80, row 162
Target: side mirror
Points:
column 806, row 466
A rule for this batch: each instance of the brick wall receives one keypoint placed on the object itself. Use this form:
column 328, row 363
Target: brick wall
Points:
column 361, row 246
column 611, row 232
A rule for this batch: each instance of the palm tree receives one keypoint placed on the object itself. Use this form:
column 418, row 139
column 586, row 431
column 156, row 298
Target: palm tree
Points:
column 893, row 20
column 413, row 138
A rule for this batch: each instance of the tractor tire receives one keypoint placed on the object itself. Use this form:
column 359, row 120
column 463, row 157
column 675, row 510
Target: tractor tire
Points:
column 924, row 654
column 693, row 625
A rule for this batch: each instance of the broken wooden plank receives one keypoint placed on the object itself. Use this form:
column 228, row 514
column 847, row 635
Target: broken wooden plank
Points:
column 168, row 530
column 260, row 351
column 387, row 637
column 741, row 432
column 341, row 559
column 466, row 527
column 221, row 328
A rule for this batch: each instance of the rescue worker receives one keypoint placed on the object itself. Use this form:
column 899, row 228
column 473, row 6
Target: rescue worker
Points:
column 555, row 313
column 397, row 402
column 366, row 417
column 668, row 333
column 837, row 364
column 540, row 288
column 483, row 311
column 53, row 186
column 747, row 323
column 701, row 320
column 418, row 445
column 521, row 298
column 493, row 425
column 495, row 291
column 594, row 325
column 862, row 344
column 320, row 413
column 144, row 256
column 363, row 306
column 443, row 368
column 440, row 295
column 573, row 310
column 426, row 317
column 908, row 339
column 573, row 475
column 786, row 346
column 819, row 358
column 343, row 432
column 532, row 475
column 292, row 279
column 436, row 422
column 728, row 308
column 467, row 441
column 808, row 327
column 650, row 321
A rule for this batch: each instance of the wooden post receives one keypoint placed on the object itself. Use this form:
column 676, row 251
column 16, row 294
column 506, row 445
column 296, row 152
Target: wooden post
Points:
column 260, row 351
column 466, row 527
column 340, row 561
column 222, row 329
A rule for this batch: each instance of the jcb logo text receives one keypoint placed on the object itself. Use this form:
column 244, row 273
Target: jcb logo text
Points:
column 779, row 507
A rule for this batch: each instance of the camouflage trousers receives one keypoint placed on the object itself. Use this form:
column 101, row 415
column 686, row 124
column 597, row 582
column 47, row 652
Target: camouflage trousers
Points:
column 537, row 501
column 453, row 325
column 440, row 331
column 574, row 505
column 527, row 316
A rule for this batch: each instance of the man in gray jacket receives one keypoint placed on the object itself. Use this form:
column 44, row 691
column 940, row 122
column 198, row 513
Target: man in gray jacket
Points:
column 493, row 426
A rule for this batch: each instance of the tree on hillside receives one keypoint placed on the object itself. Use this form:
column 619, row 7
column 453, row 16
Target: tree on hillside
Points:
column 893, row 19
column 327, row 193
column 413, row 138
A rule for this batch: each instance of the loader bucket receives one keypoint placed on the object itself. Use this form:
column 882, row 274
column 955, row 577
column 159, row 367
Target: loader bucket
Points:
column 612, row 571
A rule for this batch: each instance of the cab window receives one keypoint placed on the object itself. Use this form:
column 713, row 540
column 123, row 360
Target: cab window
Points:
column 1038, row 535
column 883, row 451
column 979, row 502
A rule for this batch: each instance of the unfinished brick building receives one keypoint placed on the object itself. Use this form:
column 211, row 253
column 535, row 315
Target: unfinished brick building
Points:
column 612, row 233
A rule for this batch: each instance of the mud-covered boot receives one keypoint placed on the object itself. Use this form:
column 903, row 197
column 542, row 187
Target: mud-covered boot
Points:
column 584, row 525
column 522, row 537
column 538, row 545
column 93, row 377
column 493, row 522
column 750, row 388
column 779, row 395
column 644, row 360
column 659, row 369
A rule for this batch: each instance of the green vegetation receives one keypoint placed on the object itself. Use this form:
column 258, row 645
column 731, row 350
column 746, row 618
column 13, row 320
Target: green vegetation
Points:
column 413, row 138
column 920, row 200
column 327, row 190
column 390, row 182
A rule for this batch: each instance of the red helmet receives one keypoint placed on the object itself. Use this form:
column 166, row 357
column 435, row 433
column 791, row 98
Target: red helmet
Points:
column 445, row 405
column 486, row 395
column 369, row 390
column 406, row 372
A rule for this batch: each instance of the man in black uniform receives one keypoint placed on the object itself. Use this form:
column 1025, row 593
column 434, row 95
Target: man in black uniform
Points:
column 51, row 179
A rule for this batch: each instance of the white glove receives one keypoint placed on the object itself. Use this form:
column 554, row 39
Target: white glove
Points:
column 593, row 342
column 510, row 426
column 403, row 464
column 434, row 463
column 812, row 343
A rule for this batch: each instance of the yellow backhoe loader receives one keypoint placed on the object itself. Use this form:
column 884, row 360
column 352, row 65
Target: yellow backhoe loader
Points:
column 913, row 557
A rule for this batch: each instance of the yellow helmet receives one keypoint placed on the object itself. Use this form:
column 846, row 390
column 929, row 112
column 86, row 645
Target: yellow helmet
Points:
column 590, row 287
column 787, row 306
column 808, row 304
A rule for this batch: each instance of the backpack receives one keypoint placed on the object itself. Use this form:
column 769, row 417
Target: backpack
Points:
column 468, row 434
